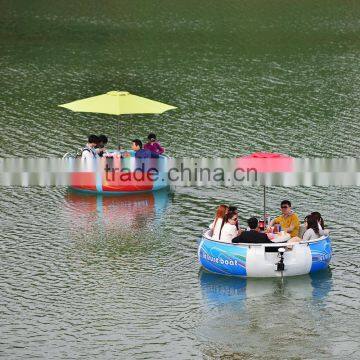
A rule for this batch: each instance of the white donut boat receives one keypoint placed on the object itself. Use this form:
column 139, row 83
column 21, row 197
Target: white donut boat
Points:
column 264, row 260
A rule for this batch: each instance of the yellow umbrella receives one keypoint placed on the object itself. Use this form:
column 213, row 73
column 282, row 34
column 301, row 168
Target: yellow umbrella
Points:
column 118, row 103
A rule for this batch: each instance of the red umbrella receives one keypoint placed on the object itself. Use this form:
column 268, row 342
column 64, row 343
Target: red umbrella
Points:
column 265, row 162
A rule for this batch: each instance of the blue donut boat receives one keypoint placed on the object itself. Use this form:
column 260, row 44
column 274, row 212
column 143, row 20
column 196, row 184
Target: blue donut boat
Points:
column 264, row 260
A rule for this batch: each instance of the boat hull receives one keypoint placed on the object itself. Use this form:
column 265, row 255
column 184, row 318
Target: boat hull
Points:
column 120, row 176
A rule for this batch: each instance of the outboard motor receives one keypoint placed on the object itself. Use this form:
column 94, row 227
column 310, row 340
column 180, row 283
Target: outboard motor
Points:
column 280, row 266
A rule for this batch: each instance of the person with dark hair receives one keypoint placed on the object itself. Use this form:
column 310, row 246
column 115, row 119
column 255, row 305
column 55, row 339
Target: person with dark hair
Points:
column 235, row 209
column 319, row 219
column 100, row 149
column 228, row 228
column 252, row 236
column 153, row 145
column 303, row 227
column 89, row 151
column 313, row 230
column 288, row 220
column 141, row 153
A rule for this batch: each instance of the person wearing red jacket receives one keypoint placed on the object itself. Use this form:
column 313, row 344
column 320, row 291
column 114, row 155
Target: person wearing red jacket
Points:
column 153, row 145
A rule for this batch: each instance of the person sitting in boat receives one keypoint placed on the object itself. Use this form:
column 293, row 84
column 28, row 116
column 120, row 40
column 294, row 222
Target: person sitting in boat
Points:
column 101, row 147
column 235, row 209
column 288, row 220
column 140, row 153
column 320, row 221
column 229, row 228
column 153, row 145
column 252, row 236
column 215, row 226
column 312, row 232
column 89, row 151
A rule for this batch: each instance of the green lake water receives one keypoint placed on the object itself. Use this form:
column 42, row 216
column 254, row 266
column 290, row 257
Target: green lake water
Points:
column 103, row 277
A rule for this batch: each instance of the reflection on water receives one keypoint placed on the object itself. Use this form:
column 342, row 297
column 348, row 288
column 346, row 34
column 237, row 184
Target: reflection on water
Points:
column 219, row 290
column 111, row 212
column 262, row 317
column 321, row 283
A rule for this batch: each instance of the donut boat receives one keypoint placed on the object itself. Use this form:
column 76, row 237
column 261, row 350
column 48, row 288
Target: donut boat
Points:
column 264, row 260
column 117, row 175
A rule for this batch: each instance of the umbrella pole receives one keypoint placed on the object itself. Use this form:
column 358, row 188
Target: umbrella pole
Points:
column 264, row 204
column 118, row 133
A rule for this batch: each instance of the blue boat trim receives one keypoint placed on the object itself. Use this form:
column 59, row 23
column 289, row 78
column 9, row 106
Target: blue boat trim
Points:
column 321, row 253
column 217, row 258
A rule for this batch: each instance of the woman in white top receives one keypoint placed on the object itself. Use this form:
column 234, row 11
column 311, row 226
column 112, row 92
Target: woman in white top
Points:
column 215, row 226
column 229, row 230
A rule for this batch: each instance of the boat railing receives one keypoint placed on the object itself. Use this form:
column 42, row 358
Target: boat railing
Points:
column 278, row 244
column 74, row 154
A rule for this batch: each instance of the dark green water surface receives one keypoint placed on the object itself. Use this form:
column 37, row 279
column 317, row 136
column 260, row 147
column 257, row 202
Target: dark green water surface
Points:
column 92, row 277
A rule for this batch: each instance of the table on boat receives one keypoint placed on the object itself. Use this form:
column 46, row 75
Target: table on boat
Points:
column 279, row 237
